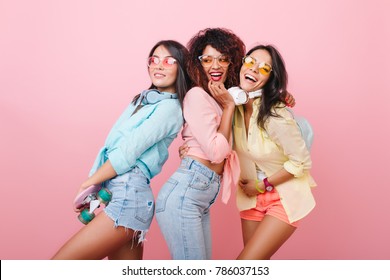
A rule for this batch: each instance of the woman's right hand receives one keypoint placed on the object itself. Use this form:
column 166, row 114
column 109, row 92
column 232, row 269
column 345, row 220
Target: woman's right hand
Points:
column 249, row 187
column 221, row 94
column 183, row 150
column 82, row 188
column 290, row 100
column 104, row 173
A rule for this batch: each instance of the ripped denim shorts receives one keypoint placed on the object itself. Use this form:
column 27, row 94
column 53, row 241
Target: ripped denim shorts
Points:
column 132, row 203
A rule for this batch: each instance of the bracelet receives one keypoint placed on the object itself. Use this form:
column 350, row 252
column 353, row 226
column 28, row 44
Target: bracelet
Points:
column 257, row 186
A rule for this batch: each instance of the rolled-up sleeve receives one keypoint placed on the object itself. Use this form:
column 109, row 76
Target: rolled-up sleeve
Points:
column 285, row 132
column 164, row 121
column 204, row 122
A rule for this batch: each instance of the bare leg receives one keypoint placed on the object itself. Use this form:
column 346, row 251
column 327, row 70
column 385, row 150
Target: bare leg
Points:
column 96, row 240
column 130, row 251
column 248, row 228
column 269, row 235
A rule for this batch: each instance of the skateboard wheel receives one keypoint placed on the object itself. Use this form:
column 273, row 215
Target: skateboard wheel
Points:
column 85, row 217
column 104, row 195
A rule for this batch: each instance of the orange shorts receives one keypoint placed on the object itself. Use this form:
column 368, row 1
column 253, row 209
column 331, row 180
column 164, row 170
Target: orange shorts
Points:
column 268, row 203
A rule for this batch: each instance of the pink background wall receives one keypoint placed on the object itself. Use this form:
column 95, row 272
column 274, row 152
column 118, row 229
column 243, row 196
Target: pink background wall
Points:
column 68, row 69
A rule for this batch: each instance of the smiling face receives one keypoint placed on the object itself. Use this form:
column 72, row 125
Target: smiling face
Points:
column 163, row 75
column 215, row 71
column 251, row 78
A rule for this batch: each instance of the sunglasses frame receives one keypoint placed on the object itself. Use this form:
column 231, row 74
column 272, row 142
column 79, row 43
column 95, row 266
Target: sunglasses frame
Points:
column 261, row 67
column 214, row 57
column 163, row 60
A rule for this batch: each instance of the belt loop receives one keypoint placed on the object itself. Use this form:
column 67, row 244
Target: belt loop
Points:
column 213, row 174
column 185, row 163
column 216, row 177
column 191, row 161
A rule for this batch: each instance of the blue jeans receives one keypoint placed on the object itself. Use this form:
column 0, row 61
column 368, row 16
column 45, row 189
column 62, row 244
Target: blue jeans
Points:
column 183, row 210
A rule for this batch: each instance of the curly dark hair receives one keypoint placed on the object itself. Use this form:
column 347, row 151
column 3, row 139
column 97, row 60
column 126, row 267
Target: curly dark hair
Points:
column 274, row 91
column 180, row 53
column 223, row 40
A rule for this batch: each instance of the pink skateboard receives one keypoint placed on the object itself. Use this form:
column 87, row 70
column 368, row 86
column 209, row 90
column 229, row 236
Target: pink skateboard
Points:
column 89, row 200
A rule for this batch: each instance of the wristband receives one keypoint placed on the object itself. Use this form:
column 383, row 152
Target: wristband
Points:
column 268, row 186
column 257, row 187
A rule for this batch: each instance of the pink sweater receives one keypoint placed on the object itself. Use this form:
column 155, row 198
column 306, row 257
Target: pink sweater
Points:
column 202, row 116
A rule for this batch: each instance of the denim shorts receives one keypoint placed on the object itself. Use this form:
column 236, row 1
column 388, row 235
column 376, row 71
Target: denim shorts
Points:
column 183, row 210
column 132, row 203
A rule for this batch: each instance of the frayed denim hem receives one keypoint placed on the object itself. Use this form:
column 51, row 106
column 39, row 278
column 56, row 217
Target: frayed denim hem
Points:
column 138, row 234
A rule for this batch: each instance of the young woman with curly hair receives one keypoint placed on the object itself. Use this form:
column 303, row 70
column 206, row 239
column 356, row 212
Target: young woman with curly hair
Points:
column 183, row 204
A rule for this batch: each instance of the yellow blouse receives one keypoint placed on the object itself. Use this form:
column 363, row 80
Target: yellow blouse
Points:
column 279, row 146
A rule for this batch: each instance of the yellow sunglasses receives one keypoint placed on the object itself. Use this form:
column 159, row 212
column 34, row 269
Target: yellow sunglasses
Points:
column 264, row 68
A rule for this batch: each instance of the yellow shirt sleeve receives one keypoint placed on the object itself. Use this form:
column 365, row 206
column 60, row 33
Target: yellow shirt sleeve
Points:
column 284, row 131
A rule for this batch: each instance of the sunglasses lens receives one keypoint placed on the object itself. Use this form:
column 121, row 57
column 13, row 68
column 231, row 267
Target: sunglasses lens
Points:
column 223, row 60
column 248, row 61
column 153, row 61
column 206, row 60
column 265, row 69
column 169, row 61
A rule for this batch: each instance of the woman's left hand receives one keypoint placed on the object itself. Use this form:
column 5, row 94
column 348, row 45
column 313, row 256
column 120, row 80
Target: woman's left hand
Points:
column 249, row 187
column 221, row 95
column 290, row 100
column 183, row 150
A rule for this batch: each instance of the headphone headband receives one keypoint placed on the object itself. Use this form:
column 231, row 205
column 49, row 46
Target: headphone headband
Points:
column 153, row 96
column 241, row 97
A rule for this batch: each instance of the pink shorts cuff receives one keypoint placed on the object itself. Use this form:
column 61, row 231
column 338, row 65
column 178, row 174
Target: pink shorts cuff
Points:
column 268, row 203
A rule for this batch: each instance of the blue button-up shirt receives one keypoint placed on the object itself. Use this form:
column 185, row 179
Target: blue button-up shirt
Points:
column 142, row 139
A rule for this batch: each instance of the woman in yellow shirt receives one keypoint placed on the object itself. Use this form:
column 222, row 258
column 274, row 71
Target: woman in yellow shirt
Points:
column 275, row 185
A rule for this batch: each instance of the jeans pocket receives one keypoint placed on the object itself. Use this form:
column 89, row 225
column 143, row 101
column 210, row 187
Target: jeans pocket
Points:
column 164, row 194
column 200, row 182
column 144, row 203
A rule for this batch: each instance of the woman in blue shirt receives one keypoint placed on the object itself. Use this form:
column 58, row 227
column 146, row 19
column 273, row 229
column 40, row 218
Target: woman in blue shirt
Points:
column 134, row 152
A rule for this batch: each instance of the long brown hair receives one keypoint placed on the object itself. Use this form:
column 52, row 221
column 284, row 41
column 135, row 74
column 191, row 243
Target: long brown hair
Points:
column 274, row 91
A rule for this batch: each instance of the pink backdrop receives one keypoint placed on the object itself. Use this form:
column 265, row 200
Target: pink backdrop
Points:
column 68, row 69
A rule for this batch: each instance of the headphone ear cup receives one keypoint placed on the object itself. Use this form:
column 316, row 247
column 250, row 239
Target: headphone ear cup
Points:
column 153, row 96
column 239, row 95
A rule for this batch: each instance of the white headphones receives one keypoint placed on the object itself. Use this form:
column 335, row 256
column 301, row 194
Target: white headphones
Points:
column 241, row 97
column 153, row 96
